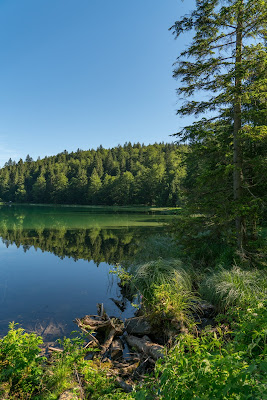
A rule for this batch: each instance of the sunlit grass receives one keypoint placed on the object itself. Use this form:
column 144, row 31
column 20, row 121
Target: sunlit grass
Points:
column 235, row 287
column 160, row 272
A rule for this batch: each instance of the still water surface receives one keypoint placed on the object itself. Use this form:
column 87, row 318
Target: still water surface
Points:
column 55, row 262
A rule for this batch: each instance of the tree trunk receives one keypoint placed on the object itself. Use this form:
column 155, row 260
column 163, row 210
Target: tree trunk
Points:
column 237, row 176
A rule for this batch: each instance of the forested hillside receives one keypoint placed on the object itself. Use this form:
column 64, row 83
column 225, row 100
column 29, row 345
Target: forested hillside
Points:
column 129, row 174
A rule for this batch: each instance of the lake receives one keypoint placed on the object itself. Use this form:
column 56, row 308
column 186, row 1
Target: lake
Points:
column 55, row 262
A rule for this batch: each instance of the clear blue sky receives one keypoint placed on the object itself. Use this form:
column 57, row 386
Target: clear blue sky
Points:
column 80, row 73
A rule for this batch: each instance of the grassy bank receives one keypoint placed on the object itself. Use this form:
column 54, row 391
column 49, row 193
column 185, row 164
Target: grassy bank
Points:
column 224, row 361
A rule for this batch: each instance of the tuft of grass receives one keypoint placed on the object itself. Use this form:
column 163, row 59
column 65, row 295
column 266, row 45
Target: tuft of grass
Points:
column 166, row 292
column 235, row 287
column 170, row 306
column 160, row 272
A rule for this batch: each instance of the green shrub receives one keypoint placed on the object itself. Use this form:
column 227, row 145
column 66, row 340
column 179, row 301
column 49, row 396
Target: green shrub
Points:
column 60, row 374
column 250, row 329
column 211, row 366
column 26, row 375
column 20, row 362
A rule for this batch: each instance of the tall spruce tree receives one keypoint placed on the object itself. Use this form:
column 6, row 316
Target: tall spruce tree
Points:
column 225, row 66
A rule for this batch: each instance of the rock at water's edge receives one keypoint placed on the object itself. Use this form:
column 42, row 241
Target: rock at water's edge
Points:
column 138, row 326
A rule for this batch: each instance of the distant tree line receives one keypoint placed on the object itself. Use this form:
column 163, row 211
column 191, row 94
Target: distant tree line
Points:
column 129, row 174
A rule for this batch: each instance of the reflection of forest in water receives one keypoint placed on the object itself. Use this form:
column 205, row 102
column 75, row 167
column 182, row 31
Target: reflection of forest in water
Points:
column 44, row 294
column 98, row 234
column 100, row 245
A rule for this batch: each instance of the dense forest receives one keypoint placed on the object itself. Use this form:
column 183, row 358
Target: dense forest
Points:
column 129, row 174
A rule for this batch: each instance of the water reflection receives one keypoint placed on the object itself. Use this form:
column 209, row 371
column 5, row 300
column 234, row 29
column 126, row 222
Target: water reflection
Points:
column 55, row 265
column 99, row 245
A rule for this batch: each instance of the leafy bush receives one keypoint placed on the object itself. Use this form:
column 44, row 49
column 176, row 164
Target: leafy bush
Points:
column 212, row 367
column 20, row 362
column 60, row 374
column 26, row 375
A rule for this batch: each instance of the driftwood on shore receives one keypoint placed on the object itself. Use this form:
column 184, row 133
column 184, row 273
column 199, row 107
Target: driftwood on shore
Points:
column 54, row 349
column 112, row 334
column 114, row 327
column 110, row 327
column 108, row 332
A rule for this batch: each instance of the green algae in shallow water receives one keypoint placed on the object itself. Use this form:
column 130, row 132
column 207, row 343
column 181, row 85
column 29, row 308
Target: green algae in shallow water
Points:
column 77, row 217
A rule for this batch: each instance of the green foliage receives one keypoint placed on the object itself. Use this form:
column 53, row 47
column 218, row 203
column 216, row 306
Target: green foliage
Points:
column 160, row 272
column 250, row 330
column 129, row 174
column 26, row 375
column 202, row 240
column 235, row 287
column 170, row 306
column 98, row 385
column 60, row 374
column 212, row 367
column 227, row 158
column 124, row 276
column 20, row 362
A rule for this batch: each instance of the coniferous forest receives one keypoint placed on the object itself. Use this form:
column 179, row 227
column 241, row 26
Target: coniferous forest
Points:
column 201, row 289
column 129, row 174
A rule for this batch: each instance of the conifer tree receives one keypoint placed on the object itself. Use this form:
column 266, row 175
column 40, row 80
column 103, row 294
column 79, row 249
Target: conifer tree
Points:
column 94, row 187
column 229, row 45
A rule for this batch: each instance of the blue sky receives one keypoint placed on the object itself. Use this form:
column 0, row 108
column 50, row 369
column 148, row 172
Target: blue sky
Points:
column 80, row 73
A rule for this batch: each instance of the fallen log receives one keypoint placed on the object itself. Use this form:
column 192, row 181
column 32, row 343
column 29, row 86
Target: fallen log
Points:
column 117, row 327
column 108, row 342
column 145, row 345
